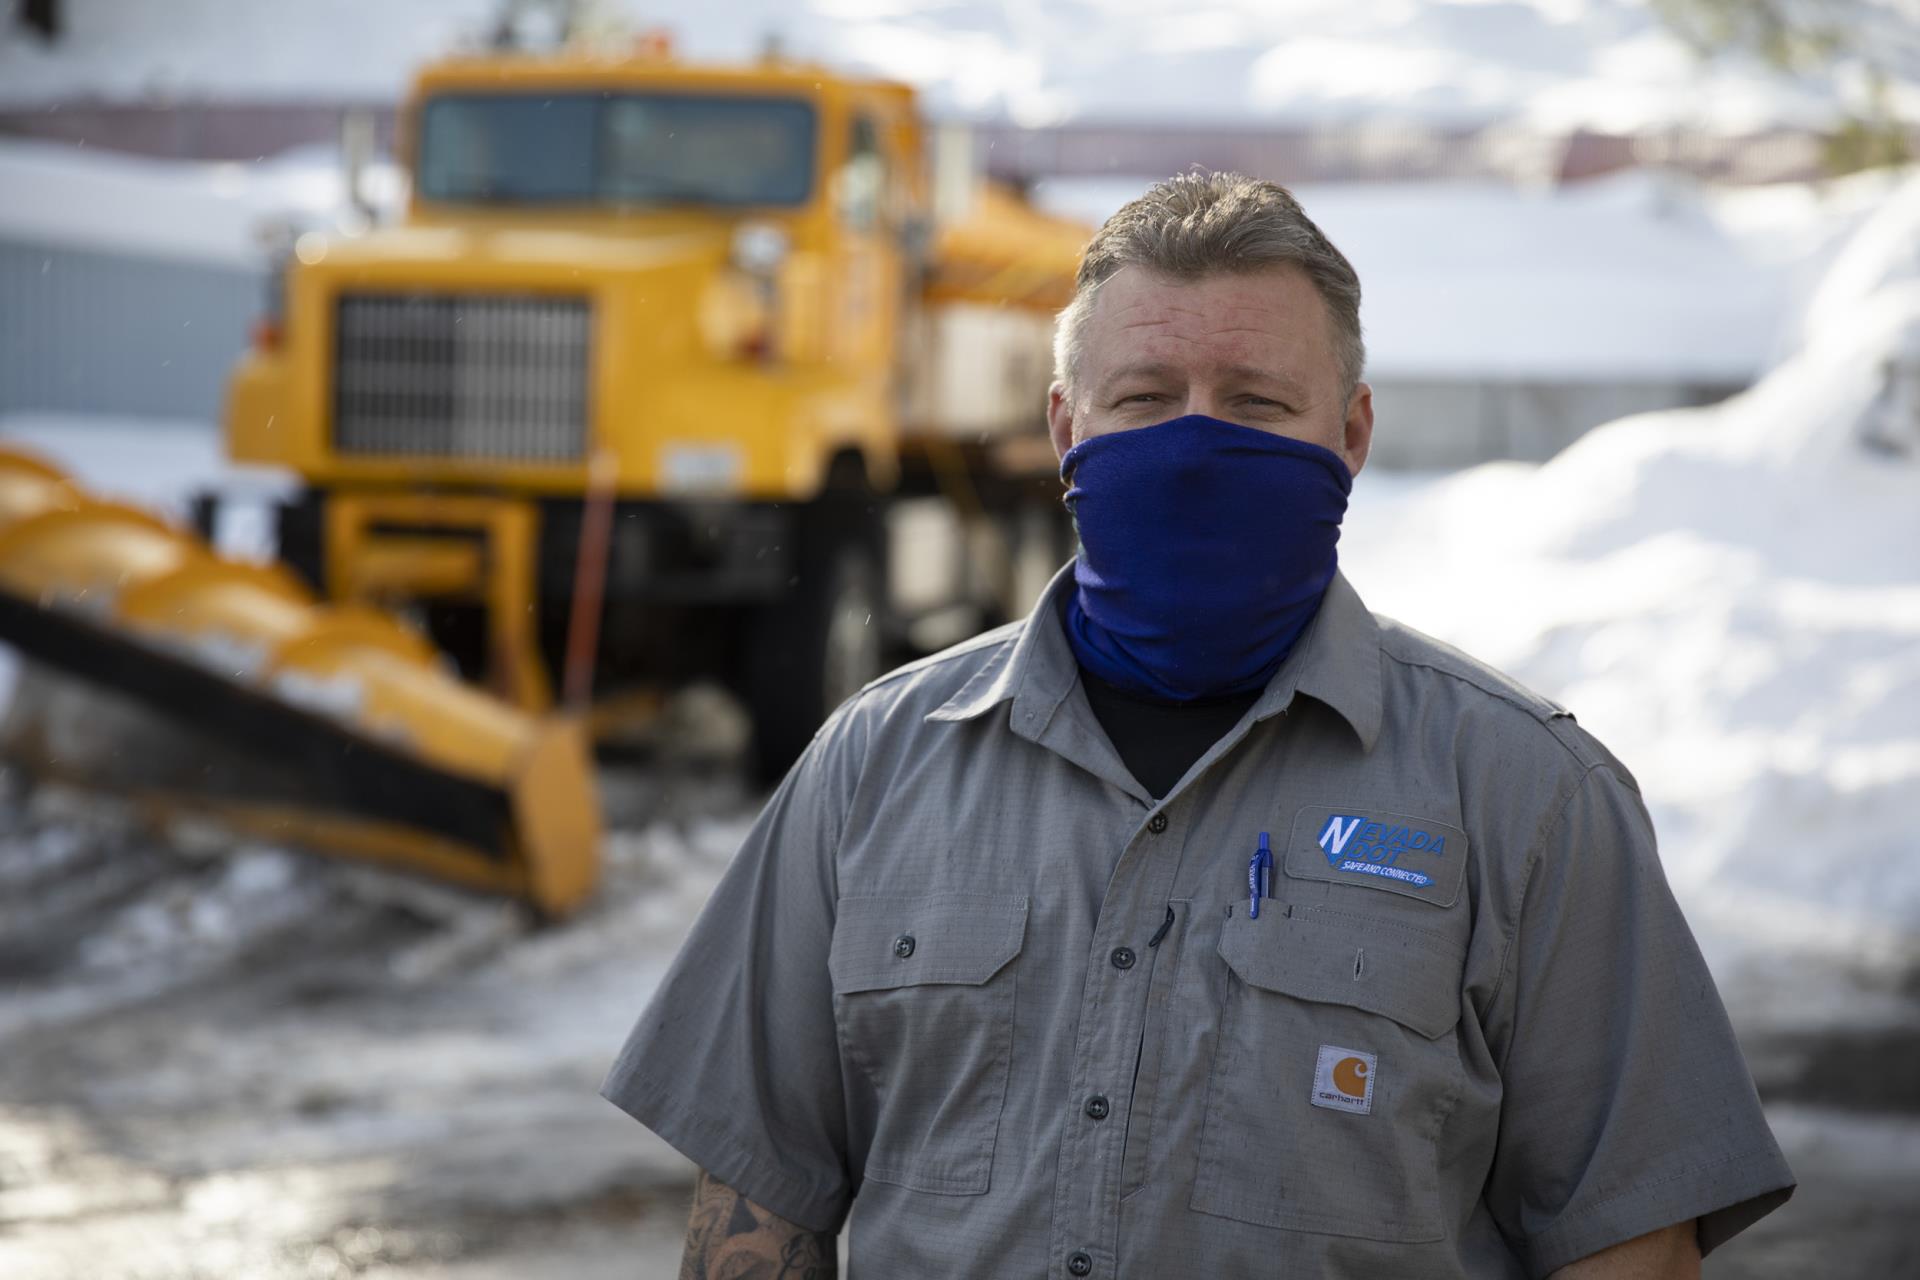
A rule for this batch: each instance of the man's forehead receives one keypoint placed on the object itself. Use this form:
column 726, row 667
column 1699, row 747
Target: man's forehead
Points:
column 1245, row 318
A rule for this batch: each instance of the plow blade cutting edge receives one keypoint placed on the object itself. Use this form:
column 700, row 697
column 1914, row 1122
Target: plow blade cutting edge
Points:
column 232, row 692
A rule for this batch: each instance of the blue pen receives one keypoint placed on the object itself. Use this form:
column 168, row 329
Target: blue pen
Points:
column 1259, row 877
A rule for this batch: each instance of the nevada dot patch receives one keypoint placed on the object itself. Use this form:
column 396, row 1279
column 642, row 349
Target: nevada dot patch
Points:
column 1343, row 1080
column 1360, row 845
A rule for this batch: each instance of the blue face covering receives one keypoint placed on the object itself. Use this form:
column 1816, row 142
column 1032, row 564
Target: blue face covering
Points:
column 1204, row 550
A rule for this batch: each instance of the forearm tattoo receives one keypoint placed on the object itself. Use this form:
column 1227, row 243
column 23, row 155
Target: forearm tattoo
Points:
column 731, row 1238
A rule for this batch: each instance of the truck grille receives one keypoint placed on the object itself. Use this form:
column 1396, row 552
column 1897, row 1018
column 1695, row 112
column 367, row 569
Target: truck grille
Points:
column 494, row 376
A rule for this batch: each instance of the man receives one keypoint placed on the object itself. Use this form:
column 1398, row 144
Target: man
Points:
column 1202, row 924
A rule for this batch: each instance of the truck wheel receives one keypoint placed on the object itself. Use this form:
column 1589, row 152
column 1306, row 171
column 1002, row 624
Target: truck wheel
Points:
column 812, row 651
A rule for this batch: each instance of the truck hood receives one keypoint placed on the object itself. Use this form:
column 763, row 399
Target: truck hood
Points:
column 581, row 252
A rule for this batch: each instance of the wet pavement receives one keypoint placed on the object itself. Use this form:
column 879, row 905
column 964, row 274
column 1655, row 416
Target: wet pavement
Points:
column 240, row 1062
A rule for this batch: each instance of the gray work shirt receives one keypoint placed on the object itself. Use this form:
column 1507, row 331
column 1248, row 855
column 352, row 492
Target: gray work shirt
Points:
column 1469, row 1034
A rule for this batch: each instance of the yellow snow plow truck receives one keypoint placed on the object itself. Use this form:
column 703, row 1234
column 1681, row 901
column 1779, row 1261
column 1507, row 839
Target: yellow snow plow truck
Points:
column 670, row 373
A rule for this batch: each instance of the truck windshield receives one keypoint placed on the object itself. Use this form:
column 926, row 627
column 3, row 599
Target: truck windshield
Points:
column 616, row 148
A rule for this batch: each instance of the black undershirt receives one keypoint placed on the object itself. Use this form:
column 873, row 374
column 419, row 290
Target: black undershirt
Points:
column 1158, row 741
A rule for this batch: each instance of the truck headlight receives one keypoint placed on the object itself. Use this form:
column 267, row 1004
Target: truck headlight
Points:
column 736, row 316
column 759, row 248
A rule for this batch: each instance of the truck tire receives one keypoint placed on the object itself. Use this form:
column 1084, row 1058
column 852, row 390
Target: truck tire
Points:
column 808, row 653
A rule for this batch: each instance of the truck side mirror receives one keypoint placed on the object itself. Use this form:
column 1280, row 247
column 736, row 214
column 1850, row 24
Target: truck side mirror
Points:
column 859, row 189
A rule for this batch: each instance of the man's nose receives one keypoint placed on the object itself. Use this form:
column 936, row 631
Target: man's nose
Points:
column 1202, row 401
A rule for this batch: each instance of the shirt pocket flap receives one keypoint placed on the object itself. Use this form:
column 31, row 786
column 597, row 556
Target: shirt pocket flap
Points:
column 1408, row 976
column 914, row 939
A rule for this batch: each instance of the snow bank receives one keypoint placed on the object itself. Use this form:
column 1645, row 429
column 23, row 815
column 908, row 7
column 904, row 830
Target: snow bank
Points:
column 1557, row 65
column 1885, row 251
column 1730, row 598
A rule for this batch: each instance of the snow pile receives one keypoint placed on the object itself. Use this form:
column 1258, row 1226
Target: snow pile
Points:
column 82, row 886
column 1884, row 252
column 254, row 890
column 1556, row 65
column 1730, row 599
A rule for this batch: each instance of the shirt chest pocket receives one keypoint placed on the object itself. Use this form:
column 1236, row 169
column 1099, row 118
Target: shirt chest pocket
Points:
column 1335, row 1067
column 923, row 999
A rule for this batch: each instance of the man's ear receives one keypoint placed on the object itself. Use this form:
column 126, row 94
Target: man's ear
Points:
column 1060, row 419
column 1357, row 438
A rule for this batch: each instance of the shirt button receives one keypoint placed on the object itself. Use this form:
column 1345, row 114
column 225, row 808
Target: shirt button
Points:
column 903, row 945
column 1122, row 957
column 1097, row 1106
column 1079, row 1264
column 1157, row 823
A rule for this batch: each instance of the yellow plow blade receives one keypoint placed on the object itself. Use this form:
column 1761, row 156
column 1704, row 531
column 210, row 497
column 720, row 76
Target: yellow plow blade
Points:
column 334, row 728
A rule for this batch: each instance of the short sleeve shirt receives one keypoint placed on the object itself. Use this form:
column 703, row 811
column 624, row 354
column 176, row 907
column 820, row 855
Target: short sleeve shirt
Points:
column 969, row 991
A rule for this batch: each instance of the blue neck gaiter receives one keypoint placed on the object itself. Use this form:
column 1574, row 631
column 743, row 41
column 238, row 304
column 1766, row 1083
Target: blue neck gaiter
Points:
column 1204, row 550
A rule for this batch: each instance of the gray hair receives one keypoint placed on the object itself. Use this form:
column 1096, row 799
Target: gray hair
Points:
column 1201, row 224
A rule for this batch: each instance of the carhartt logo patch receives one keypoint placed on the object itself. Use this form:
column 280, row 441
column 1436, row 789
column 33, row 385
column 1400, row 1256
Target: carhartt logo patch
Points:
column 1343, row 1079
column 1362, row 845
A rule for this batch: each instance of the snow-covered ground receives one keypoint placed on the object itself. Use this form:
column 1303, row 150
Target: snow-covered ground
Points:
column 240, row 1063
column 1554, row 64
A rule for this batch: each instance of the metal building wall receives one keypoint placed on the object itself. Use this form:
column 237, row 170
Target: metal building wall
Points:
column 87, row 331
column 1435, row 424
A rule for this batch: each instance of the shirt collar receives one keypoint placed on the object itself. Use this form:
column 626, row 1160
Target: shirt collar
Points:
column 1037, row 671
column 1337, row 663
